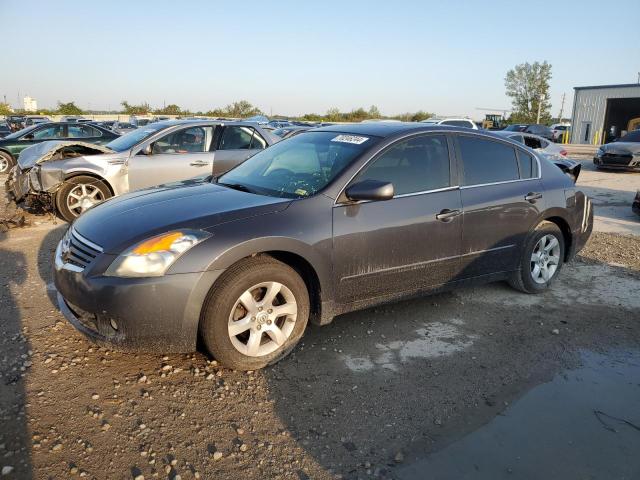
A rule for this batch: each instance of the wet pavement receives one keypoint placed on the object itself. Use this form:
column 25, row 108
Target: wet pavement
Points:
column 584, row 424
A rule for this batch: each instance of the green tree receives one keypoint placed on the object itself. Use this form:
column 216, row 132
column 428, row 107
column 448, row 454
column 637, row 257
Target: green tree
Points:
column 171, row 109
column 333, row 115
column 5, row 109
column 141, row 109
column 528, row 86
column 420, row 115
column 242, row 109
column 68, row 109
column 374, row 112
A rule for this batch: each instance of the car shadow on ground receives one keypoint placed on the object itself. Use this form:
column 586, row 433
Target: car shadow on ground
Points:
column 15, row 439
column 386, row 386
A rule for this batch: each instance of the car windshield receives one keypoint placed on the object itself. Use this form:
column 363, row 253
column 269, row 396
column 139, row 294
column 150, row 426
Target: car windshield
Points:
column 297, row 167
column 19, row 133
column 516, row 128
column 631, row 137
column 125, row 142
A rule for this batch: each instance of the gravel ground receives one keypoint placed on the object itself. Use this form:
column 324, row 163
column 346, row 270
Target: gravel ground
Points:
column 360, row 398
column 620, row 250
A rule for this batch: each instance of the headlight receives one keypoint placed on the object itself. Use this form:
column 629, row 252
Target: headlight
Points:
column 600, row 152
column 152, row 257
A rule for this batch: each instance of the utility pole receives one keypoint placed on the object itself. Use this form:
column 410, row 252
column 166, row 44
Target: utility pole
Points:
column 561, row 109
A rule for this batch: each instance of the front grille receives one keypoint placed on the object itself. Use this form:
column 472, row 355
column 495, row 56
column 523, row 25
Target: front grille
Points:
column 614, row 159
column 81, row 251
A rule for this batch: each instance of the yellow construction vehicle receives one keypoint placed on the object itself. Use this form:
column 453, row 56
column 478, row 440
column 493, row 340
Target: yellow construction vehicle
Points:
column 634, row 124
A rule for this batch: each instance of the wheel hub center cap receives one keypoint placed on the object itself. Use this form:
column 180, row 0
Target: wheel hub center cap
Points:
column 262, row 318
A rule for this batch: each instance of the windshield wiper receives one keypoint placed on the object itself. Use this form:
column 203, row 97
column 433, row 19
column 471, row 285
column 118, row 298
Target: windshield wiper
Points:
column 237, row 186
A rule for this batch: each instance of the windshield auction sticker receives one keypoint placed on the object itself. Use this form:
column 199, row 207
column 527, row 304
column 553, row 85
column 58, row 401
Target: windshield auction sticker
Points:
column 350, row 139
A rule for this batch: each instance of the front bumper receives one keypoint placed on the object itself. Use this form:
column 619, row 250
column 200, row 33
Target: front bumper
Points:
column 159, row 314
column 625, row 162
column 18, row 183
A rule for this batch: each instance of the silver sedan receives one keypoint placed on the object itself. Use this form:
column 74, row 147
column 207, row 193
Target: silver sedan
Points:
column 71, row 177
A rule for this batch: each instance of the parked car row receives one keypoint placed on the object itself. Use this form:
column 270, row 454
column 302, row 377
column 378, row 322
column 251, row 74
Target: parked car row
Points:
column 71, row 175
column 14, row 143
column 329, row 221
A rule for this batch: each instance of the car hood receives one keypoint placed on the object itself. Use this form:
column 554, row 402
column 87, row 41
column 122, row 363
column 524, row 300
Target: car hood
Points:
column 621, row 148
column 122, row 221
column 52, row 150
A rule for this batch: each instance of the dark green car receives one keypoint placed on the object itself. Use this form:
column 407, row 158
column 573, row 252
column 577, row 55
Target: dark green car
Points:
column 12, row 145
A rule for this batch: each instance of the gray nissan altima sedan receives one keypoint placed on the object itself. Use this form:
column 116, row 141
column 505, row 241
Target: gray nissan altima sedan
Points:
column 333, row 220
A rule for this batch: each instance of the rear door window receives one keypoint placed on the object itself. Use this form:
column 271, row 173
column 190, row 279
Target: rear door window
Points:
column 416, row 165
column 532, row 142
column 187, row 140
column 236, row 138
column 49, row 132
column 487, row 161
column 257, row 142
column 83, row 131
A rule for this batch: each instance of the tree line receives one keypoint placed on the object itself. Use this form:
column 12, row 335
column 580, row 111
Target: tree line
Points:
column 527, row 85
column 240, row 109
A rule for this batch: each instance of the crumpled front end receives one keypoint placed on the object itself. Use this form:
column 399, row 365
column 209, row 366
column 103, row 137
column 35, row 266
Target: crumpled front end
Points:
column 35, row 186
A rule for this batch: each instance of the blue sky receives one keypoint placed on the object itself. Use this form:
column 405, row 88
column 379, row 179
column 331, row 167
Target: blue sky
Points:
column 294, row 57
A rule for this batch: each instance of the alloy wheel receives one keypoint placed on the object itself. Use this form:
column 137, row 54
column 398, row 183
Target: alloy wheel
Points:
column 545, row 259
column 83, row 197
column 262, row 319
column 4, row 164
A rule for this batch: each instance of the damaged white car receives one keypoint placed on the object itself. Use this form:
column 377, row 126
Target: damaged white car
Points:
column 70, row 177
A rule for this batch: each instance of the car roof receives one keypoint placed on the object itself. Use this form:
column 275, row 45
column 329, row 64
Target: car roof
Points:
column 204, row 121
column 382, row 129
column 510, row 133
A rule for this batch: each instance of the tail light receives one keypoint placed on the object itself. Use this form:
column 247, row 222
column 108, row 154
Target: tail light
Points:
column 563, row 153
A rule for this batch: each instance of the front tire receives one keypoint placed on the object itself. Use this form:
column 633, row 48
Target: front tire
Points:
column 78, row 194
column 6, row 163
column 541, row 260
column 255, row 314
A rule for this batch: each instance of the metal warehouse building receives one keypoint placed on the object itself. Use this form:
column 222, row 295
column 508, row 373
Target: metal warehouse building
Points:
column 605, row 111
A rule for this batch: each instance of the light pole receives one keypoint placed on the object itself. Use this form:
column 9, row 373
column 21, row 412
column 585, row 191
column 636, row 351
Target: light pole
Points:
column 539, row 107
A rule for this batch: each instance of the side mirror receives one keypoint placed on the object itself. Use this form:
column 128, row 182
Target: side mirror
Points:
column 370, row 190
column 147, row 150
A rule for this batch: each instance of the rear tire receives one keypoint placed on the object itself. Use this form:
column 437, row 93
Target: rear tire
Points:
column 541, row 259
column 78, row 194
column 6, row 163
column 255, row 314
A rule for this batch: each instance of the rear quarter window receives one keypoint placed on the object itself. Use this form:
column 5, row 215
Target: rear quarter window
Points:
column 528, row 165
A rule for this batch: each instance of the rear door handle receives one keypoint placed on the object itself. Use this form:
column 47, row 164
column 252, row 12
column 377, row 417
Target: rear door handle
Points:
column 447, row 215
column 199, row 163
column 531, row 197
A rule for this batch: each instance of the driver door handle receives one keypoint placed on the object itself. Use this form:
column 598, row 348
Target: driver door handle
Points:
column 531, row 197
column 199, row 163
column 447, row 215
